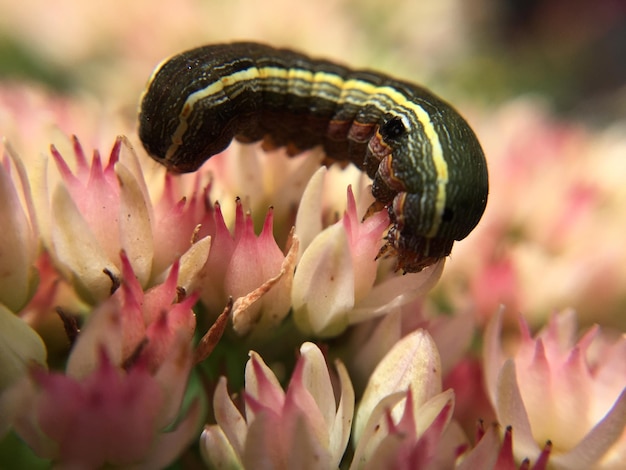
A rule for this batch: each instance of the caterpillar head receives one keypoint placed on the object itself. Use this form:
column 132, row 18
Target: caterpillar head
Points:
column 433, row 181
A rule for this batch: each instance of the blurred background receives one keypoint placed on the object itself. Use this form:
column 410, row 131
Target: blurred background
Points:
column 570, row 51
column 542, row 82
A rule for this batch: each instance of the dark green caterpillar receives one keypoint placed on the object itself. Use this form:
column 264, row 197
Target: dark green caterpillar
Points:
column 427, row 166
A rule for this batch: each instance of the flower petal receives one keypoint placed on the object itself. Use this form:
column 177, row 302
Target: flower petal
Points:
column 216, row 449
column 170, row 445
column 262, row 385
column 307, row 451
column 395, row 292
column 192, row 262
column 230, row 421
column 368, row 344
column 485, row 453
column 413, row 362
column 78, row 249
column 17, row 247
column 20, row 347
column 172, row 377
column 493, row 357
column 367, row 436
column 309, row 217
column 102, row 330
column 134, row 224
column 316, row 379
column 340, row 430
column 323, row 286
column 512, row 412
column 593, row 447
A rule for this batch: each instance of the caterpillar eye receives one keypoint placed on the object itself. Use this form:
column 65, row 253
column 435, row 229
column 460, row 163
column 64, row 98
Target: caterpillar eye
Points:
column 392, row 129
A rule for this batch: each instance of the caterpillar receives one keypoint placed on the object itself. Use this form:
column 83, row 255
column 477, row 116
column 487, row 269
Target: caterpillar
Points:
column 427, row 167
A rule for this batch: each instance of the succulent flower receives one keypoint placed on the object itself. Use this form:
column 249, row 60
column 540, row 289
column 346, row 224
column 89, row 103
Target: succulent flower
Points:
column 302, row 427
column 572, row 237
column 341, row 261
column 403, row 419
column 119, row 400
column 100, row 210
column 555, row 389
column 101, row 361
column 248, row 268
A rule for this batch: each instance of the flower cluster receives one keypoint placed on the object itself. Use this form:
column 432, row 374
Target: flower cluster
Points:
column 241, row 315
column 119, row 399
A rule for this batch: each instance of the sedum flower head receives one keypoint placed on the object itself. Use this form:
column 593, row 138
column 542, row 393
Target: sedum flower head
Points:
column 404, row 419
column 99, row 210
column 119, row 400
column 339, row 281
column 302, row 427
column 559, row 390
column 298, row 253
column 249, row 268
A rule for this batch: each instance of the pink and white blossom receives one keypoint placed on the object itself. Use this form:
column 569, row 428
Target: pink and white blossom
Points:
column 302, row 427
column 122, row 388
column 555, row 388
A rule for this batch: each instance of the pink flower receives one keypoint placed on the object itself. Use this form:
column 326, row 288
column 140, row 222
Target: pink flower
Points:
column 404, row 419
column 340, row 261
column 555, row 207
column 100, row 210
column 135, row 322
column 401, row 446
column 123, row 385
column 303, row 427
column 253, row 270
column 572, row 394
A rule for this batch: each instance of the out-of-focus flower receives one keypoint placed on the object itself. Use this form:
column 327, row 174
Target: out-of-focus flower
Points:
column 20, row 347
column 111, row 416
column 556, row 207
column 121, row 393
column 404, row 419
column 338, row 281
column 303, row 427
column 32, row 117
column 368, row 342
column 472, row 401
column 136, row 323
column 98, row 211
column 572, row 394
column 53, row 299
